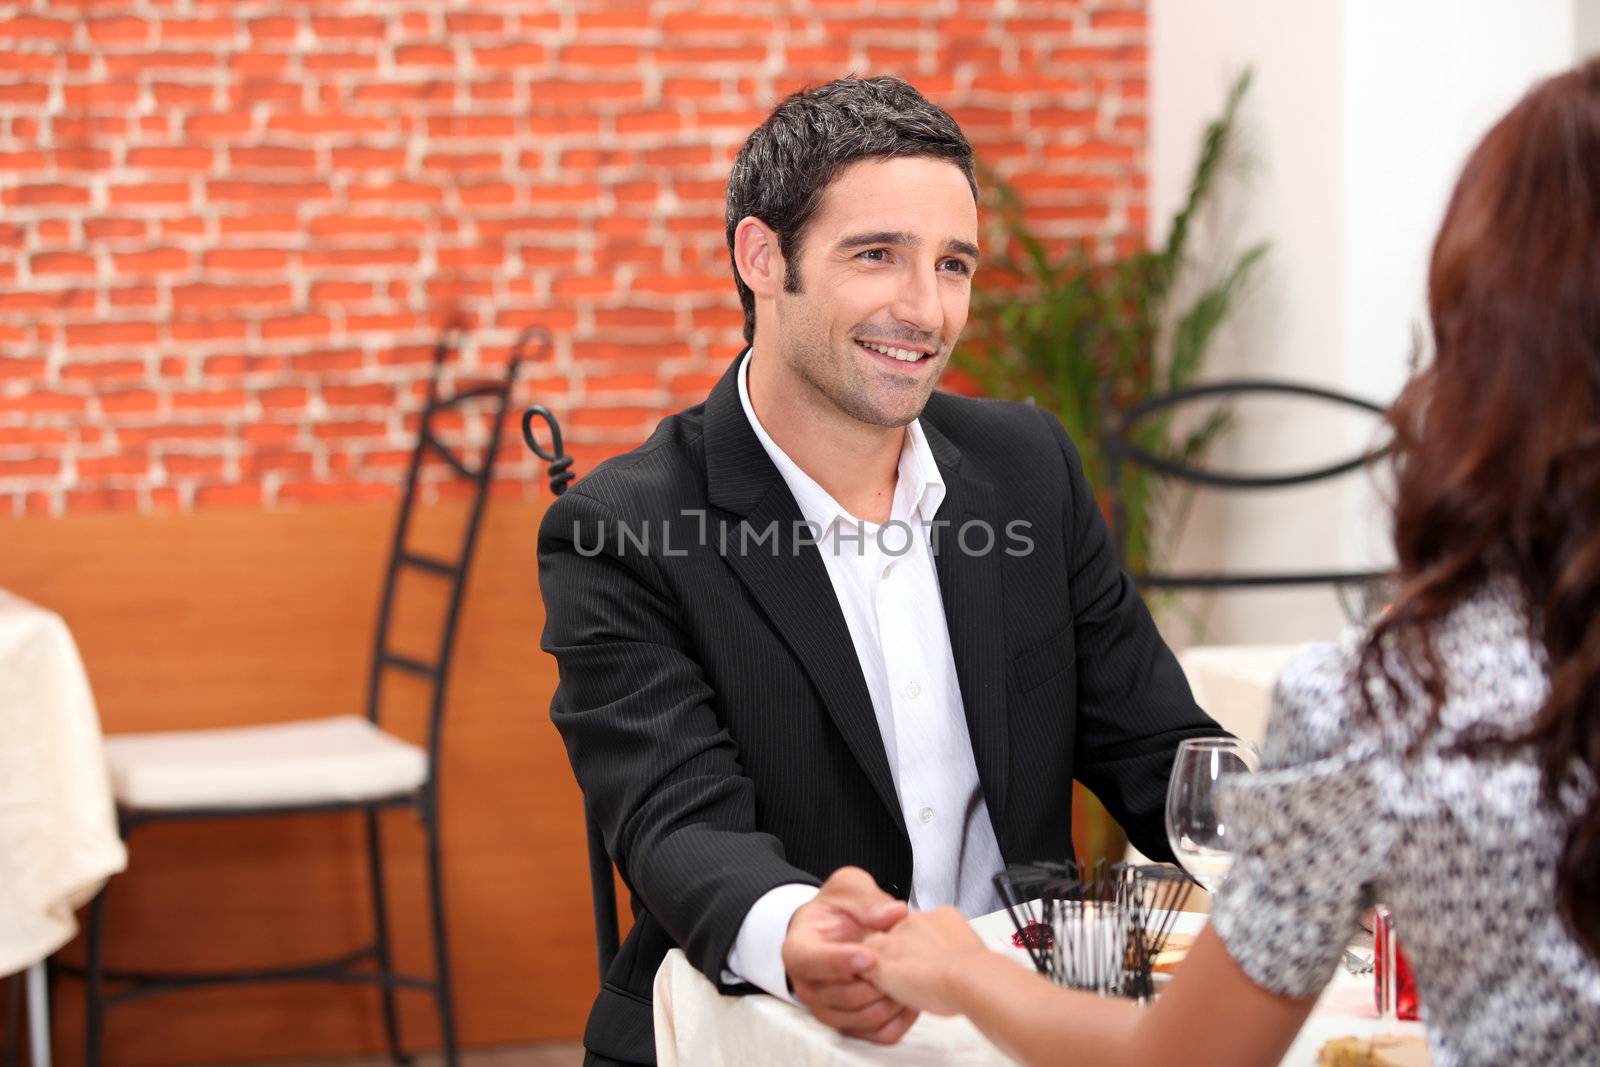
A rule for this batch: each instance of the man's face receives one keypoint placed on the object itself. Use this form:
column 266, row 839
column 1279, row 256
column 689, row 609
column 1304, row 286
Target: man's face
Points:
column 885, row 264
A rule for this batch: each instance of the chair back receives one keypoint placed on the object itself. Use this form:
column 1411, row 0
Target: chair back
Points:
column 1355, row 587
column 453, row 570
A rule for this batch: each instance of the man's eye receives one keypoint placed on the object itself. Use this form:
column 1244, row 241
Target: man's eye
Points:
column 957, row 265
column 875, row 255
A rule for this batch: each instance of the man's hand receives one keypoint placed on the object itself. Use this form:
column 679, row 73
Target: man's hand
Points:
column 825, row 958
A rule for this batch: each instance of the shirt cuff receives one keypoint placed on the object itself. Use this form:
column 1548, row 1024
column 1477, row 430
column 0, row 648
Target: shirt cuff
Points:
column 757, row 953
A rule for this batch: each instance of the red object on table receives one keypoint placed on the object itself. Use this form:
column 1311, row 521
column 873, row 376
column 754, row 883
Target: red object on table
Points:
column 1406, row 1001
column 1034, row 935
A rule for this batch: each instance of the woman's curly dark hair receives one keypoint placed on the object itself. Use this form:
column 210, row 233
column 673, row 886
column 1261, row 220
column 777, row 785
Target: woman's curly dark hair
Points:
column 1497, row 443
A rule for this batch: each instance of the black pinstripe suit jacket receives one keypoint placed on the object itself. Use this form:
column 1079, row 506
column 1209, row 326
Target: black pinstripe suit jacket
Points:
column 718, row 721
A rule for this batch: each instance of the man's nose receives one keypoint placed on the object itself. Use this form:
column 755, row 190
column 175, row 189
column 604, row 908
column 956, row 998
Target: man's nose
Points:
column 917, row 304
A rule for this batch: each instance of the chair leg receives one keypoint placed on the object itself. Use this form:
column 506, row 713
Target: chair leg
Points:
column 380, row 922
column 94, row 979
column 13, row 1017
column 441, row 951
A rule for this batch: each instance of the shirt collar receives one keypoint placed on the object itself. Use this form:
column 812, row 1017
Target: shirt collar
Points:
column 919, row 487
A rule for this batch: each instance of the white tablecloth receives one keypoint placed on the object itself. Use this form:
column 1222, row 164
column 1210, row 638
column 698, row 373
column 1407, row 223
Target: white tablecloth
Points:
column 58, row 833
column 698, row 1027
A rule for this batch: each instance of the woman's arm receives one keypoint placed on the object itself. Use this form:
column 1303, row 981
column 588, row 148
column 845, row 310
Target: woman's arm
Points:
column 1212, row 1013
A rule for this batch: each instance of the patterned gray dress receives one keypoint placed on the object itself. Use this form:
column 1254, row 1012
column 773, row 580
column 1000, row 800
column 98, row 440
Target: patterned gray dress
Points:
column 1463, row 849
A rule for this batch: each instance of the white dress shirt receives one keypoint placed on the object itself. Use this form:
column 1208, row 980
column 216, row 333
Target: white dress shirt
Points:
column 888, row 591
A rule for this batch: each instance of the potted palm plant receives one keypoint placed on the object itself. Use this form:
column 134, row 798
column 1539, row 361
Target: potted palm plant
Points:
column 1089, row 338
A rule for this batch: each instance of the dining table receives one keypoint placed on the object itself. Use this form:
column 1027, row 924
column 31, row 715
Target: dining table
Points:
column 58, row 825
column 696, row 1026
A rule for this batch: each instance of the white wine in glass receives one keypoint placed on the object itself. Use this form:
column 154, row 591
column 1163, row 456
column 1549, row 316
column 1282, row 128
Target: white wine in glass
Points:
column 1195, row 828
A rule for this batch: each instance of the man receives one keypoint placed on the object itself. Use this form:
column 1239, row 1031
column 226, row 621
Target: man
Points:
column 829, row 624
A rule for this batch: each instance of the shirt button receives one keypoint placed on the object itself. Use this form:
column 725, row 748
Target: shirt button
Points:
column 913, row 691
column 927, row 814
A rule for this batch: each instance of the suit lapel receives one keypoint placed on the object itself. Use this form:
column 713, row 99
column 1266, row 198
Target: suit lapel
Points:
column 971, row 586
column 790, row 583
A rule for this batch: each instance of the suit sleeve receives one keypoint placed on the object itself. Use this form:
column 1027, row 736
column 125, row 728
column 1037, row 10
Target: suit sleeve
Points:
column 660, row 773
column 1134, row 704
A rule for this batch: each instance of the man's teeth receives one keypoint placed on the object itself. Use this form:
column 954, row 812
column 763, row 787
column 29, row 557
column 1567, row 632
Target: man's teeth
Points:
column 902, row 354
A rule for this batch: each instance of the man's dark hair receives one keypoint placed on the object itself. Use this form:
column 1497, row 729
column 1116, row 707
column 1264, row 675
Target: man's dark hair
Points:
column 781, row 172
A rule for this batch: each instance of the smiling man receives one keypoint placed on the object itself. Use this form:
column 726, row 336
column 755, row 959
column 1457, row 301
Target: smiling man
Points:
column 832, row 643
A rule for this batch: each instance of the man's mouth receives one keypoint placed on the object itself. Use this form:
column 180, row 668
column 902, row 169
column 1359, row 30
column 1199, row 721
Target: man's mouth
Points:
column 904, row 355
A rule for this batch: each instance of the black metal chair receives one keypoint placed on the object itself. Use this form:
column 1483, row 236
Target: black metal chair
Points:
column 1356, row 587
column 388, row 773
column 602, row 879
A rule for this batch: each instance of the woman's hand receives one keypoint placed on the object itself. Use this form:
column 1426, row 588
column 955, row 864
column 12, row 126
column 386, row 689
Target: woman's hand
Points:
column 921, row 958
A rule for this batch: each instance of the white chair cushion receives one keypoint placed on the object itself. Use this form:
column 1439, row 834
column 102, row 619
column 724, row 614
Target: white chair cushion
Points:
column 341, row 758
column 1234, row 683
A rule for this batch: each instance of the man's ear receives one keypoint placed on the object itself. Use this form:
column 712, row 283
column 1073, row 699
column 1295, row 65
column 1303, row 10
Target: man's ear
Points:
column 756, row 255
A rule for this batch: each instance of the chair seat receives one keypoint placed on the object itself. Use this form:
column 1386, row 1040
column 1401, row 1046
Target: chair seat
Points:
column 314, row 761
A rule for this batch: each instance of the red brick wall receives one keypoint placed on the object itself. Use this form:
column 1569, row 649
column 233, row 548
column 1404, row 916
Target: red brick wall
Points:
column 228, row 229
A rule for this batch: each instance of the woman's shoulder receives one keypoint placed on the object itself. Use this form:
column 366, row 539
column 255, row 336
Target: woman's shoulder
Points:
column 1493, row 672
column 1313, row 713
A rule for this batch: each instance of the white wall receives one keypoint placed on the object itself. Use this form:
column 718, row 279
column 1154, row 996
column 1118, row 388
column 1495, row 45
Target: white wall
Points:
column 1359, row 117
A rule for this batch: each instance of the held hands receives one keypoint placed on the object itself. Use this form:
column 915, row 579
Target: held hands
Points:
column 827, row 961
column 921, row 958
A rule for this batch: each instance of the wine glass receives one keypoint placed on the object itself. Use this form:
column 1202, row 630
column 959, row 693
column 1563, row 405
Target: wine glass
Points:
column 1195, row 828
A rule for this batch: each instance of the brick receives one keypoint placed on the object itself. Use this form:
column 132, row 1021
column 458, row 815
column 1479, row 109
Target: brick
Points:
column 23, row 161
column 273, row 157
column 95, row 500
column 49, row 263
column 424, row 55
column 153, row 261
column 189, row 465
column 284, row 223
column 259, row 191
column 287, row 397
column 127, row 465
column 21, row 368
column 296, row 326
column 149, row 193
column 1117, row 19
column 190, row 297
column 328, row 360
column 240, row 495
column 43, row 402
column 137, row 64
column 123, row 30
column 395, row 192
column 341, row 292
column 474, row 22
column 118, row 94
column 462, row 161
column 210, row 400
column 207, row 330
column 171, row 158
column 513, row 56
column 48, row 195
column 104, row 370
column 279, row 29
column 271, row 260
column 89, row 159
column 352, row 27
column 111, row 333
column 339, row 62
column 34, row 94
column 32, row 28
column 361, row 157
column 214, row 30
column 358, row 395
column 37, row 467
column 361, row 257
column 19, row 437
column 218, row 124
column 135, row 436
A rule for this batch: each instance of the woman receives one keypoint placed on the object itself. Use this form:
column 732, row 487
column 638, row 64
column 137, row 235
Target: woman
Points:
column 1445, row 761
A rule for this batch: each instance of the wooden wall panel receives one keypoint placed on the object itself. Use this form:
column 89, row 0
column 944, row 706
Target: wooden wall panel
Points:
column 234, row 617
